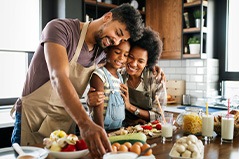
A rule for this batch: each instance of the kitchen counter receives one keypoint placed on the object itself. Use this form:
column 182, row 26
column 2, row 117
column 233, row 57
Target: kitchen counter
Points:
column 7, row 121
column 213, row 149
column 178, row 108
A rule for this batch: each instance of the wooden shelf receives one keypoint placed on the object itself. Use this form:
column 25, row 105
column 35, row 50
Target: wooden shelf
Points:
column 194, row 30
column 105, row 5
column 194, row 56
column 195, row 3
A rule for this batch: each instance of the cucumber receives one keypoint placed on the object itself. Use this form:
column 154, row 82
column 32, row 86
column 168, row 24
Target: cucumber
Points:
column 132, row 138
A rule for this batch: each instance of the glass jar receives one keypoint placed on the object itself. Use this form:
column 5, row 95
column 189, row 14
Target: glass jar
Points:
column 191, row 120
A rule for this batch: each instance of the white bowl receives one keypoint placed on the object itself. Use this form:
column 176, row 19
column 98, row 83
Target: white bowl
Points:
column 120, row 155
column 125, row 155
column 69, row 155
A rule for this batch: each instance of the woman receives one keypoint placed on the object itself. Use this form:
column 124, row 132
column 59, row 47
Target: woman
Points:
column 140, row 86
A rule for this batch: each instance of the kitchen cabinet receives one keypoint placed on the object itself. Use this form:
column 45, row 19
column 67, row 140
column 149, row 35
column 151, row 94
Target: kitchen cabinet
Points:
column 165, row 17
column 96, row 8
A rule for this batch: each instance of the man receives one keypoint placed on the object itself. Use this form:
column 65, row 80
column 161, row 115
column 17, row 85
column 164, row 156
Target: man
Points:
column 59, row 72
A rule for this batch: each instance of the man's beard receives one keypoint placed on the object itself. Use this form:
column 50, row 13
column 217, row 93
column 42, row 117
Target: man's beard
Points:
column 99, row 42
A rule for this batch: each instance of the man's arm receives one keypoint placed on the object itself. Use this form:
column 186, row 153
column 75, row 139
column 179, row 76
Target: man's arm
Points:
column 158, row 72
column 95, row 98
column 58, row 66
column 98, row 110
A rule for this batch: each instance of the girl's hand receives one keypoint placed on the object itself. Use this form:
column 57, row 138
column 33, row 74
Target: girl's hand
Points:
column 125, row 94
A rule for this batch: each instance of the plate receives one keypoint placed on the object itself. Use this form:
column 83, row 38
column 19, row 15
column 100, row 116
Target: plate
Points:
column 35, row 151
column 171, row 101
column 70, row 155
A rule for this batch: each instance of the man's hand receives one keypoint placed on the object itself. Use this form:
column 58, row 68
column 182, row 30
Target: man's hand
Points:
column 158, row 72
column 95, row 98
column 96, row 139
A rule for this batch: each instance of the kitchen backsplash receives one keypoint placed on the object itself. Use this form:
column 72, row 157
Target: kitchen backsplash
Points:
column 201, row 76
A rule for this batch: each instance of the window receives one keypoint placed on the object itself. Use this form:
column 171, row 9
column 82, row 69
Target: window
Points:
column 232, row 35
column 19, row 30
column 229, row 70
column 13, row 70
column 19, row 27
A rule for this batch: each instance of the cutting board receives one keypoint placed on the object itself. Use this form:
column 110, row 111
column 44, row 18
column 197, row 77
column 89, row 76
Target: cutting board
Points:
column 176, row 88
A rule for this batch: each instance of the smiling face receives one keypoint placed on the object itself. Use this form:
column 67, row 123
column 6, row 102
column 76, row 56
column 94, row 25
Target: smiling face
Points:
column 112, row 32
column 137, row 61
column 117, row 55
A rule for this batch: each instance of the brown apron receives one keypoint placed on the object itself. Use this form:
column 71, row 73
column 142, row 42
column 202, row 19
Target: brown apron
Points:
column 141, row 99
column 43, row 111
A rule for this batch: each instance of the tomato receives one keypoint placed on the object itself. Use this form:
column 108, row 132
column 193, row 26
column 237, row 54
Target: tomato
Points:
column 81, row 145
column 155, row 122
column 147, row 127
column 68, row 148
column 158, row 126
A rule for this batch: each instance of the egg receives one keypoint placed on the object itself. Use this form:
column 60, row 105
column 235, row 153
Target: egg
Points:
column 145, row 146
column 138, row 143
column 128, row 145
column 123, row 148
column 186, row 154
column 136, row 149
column 114, row 148
column 116, row 144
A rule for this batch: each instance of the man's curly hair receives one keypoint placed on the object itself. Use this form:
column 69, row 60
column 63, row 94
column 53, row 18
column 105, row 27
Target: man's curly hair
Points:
column 126, row 14
column 151, row 42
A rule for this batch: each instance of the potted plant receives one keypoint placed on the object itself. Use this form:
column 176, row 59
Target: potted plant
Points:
column 194, row 45
column 197, row 16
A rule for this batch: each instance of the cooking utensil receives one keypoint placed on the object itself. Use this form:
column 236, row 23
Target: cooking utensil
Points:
column 22, row 155
column 146, row 150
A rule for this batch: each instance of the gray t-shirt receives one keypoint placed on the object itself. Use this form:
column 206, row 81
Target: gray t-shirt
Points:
column 65, row 32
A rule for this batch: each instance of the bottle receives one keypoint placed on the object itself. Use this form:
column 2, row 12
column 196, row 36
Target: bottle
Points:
column 185, row 50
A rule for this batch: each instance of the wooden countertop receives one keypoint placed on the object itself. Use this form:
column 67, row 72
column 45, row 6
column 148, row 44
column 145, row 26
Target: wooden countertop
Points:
column 213, row 150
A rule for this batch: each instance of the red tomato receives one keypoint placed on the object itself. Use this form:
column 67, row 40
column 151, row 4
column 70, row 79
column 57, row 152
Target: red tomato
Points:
column 81, row 145
column 147, row 127
column 155, row 122
column 158, row 126
column 68, row 148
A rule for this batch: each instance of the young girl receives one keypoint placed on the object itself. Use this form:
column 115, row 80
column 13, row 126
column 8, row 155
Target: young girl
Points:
column 111, row 113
